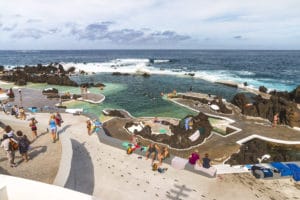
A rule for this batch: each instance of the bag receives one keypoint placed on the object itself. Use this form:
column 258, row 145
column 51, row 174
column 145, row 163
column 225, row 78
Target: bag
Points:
column 13, row 146
column 129, row 150
column 154, row 167
column 24, row 144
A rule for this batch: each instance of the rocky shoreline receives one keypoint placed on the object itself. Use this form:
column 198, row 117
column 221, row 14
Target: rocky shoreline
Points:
column 282, row 103
column 53, row 74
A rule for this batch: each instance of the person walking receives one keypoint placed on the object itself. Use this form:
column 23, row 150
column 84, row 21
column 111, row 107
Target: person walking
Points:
column 10, row 152
column 23, row 145
column 59, row 121
column 53, row 127
column 33, row 127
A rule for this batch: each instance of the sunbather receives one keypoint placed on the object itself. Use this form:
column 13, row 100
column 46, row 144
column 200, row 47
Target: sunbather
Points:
column 206, row 162
column 194, row 157
column 163, row 155
column 152, row 148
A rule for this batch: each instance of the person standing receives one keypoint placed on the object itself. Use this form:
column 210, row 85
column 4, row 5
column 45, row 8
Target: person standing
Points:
column 275, row 120
column 22, row 114
column 58, row 120
column 53, row 127
column 23, row 145
column 10, row 152
column 89, row 127
column 33, row 127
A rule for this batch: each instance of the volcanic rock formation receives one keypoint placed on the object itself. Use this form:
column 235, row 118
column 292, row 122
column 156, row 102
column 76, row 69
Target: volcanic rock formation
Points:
column 282, row 103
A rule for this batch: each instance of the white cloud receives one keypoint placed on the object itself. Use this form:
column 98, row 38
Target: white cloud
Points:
column 270, row 22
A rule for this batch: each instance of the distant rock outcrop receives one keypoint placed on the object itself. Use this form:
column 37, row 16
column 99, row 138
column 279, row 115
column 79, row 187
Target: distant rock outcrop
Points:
column 51, row 74
column 263, row 89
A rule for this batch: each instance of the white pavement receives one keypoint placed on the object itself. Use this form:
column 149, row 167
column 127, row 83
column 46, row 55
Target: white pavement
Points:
column 109, row 173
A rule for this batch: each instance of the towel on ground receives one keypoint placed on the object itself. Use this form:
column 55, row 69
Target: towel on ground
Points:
column 178, row 163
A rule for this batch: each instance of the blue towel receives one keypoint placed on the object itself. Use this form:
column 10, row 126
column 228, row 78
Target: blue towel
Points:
column 296, row 171
column 283, row 169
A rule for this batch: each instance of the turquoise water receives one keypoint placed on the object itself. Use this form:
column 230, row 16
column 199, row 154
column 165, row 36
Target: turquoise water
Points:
column 120, row 96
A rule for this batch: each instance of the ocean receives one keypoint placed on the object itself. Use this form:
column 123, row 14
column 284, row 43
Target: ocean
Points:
column 278, row 70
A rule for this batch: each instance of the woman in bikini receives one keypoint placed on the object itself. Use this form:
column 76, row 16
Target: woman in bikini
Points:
column 33, row 127
column 163, row 155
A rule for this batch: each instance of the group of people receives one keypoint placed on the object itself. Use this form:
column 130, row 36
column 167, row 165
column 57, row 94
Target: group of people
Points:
column 12, row 142
column 93, row 126
column 16, row 111
column 55, row 121
column 159, row 154
column 194, row 159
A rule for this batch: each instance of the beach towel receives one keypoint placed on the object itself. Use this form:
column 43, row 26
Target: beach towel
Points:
column 130, row 145
column 162, row 131
column 296, row 171
column 178, row 163
column 195, row 136
column 209, row 171
column 283, row 169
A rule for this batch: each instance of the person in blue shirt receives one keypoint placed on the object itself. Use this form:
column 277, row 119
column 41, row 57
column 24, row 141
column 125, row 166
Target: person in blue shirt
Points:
column 206, row 161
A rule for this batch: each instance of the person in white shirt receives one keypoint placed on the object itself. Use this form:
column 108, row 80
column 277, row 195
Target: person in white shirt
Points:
column 5, row 144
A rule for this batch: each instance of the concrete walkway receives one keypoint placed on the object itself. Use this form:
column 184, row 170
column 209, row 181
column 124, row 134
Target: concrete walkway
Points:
column 117, row 175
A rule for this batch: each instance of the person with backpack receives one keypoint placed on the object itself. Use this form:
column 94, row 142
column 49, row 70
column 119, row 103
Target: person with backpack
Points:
column 8, row 145
column 23, row 145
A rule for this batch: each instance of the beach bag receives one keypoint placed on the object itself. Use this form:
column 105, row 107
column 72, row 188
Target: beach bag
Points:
column 154, row 167
column 13, row 146
column 129, row 150
column 24, row 143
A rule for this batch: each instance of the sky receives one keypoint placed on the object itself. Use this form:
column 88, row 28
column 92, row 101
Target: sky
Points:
column 149, row 24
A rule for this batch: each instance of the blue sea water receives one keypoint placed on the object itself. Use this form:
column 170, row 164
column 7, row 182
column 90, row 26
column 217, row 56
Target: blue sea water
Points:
column 278, row 70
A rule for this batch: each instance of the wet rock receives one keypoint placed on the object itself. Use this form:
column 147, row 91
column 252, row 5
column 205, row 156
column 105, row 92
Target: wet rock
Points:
column 99, row 85
column 115, row 113
column 50, row 91
column 120, row 74
column 295, row 94
column 263, row 89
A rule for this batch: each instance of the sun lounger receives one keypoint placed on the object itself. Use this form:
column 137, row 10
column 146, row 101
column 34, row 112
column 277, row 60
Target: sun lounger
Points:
column 209, row 171
column 283, row 169
column 296, row 171
column 178, row 163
